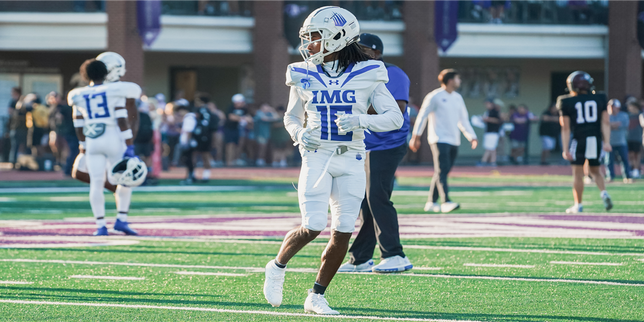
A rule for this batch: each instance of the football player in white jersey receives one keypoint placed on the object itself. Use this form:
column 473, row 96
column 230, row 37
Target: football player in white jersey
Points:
column 334, row 88
column 101, row 123
column 115, row 70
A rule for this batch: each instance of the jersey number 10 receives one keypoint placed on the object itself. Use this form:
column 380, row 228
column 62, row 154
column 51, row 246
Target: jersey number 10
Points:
column 587, row 114
column 102, row 104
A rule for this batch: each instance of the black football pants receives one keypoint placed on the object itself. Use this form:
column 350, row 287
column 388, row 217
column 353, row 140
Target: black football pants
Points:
column 444, row 156
column 378, row 215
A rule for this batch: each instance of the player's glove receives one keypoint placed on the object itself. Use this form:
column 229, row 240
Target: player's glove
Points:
column 309, row 138
column 348, row 122
column 129, row 152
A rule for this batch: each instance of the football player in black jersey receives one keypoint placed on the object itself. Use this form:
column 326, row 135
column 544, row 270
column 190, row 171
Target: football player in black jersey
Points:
column 585, row 125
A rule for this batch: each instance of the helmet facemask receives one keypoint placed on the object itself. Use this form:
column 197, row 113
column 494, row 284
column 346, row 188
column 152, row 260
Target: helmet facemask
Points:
column 329, row 43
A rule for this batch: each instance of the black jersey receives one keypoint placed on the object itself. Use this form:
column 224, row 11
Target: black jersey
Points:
column 585, row 112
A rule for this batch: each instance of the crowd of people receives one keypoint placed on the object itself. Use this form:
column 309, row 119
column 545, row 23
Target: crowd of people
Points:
column 38, row 134
column 513, row 126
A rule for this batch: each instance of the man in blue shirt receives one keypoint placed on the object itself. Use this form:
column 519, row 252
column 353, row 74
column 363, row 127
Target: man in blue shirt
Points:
column 385, row 151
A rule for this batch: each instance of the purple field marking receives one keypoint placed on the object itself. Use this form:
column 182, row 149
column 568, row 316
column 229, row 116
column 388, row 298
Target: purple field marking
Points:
column 416, row 226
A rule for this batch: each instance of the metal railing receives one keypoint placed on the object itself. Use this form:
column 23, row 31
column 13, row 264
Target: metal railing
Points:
column 560, row 12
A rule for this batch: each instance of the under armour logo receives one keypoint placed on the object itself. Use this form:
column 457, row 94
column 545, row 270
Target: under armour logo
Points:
column 337, row 82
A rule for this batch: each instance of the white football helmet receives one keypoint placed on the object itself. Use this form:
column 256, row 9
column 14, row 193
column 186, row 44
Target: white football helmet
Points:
column 338, row 28
column 130, row 172
column 115, row 65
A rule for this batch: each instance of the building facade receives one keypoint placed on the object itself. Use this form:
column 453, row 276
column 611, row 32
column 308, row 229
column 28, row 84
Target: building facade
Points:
column 519, row 52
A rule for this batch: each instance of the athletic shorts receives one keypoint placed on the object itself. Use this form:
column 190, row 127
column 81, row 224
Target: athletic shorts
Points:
column 491, row 140
column 517, row 144
column 341, row 182
column 634, row 146
column 231, row 136
column 548, row 142
column 203, row 146
column 583, row 149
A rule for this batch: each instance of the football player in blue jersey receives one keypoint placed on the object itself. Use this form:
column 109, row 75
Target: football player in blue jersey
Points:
column 330, row 94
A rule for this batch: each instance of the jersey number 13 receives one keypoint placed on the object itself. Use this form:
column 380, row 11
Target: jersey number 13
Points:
column 100, row 100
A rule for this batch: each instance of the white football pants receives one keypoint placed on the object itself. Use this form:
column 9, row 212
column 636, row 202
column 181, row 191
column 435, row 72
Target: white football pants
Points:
column 342, row 185
column 101, row 154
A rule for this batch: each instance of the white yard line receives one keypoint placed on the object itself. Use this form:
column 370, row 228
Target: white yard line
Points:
column 209, row 273
column 512, row 250
column 427, row 268
column 498, row 265
column 521, row 279
column 203, row 309
column 582, row 263
column 15, row 282
column 53, row 261
column 130, row 278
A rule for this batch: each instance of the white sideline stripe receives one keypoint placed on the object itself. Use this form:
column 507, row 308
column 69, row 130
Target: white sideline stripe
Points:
column 427, row 268
column 209, row 273
column 142, row 189
column 109, row 277
column 582, row 263
column 250, row 269
column 498, row 265
column 513, row 250
column 522, row 279
column 15, row 282
column 203, row 309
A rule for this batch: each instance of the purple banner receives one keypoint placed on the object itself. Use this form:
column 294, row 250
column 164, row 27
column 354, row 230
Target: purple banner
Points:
column 445, row 21
column 148, row 20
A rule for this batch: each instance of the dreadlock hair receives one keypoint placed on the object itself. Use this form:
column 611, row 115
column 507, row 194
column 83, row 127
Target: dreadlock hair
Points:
column 93, row 70
column 350, row 54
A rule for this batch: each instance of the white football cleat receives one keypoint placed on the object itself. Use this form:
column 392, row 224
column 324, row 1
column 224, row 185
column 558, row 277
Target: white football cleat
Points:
column 316, row 303
column 274, row 283
column 393, row 264
column 364, row 267
column 449, row 206
column 432, row 206
column 575, row 209
column 608, row 204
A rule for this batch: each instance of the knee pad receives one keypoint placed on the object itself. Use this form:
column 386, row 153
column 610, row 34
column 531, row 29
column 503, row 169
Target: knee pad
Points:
column 314, row 221
column 80, row 163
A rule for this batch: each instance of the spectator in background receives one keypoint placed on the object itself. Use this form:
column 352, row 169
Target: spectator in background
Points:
column 619, row 126
column 236, row 123
column 634, row 137
column 38, row 124
column 143, row 142
column 280, row 140
column 550, row 131
column 186, row 142
column 63, row 123
column 263, row 121
column 18, row 128
column 5, row 119
column 506, row 129
column 492, row 119
column 218, row 135
column 519, row 136
column 207, row 124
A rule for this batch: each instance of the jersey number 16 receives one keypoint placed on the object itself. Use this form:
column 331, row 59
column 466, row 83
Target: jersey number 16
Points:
column 587, row 114
column 101, row 102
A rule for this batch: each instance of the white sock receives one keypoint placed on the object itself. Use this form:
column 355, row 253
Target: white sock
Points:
column 123, row 196
column 603, row 193
column 577, row 205
column 97, row 200
column 122, row 216
column 100, row 223
column 206, row 174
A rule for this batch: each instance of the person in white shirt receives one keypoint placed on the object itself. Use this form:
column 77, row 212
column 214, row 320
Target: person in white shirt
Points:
column 444, row 113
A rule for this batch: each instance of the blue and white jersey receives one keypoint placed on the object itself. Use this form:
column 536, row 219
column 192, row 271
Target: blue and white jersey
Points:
column 97, row 103
column 323, row 98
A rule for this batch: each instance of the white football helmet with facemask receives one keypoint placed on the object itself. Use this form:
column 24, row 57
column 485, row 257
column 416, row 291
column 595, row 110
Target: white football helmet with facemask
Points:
column 130, row 172
column 337, row 27
column 115, row 66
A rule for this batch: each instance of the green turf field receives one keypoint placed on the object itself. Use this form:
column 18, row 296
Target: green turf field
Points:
column 474, row 279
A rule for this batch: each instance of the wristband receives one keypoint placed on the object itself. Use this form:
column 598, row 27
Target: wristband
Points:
column 127, row 134
column 79, row 122
column 121, row 114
